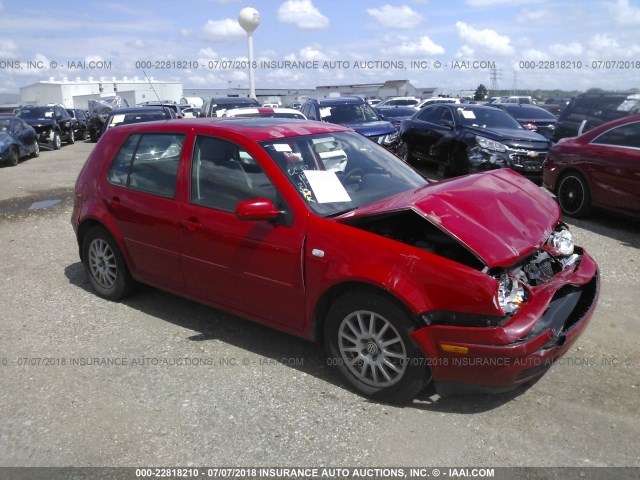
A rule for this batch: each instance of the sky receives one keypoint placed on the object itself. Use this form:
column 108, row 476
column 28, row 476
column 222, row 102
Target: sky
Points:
column 539, row 44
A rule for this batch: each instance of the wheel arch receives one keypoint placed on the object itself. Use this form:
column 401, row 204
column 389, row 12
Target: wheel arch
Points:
column 569, row 170
column 326, row 300
column 89, row 223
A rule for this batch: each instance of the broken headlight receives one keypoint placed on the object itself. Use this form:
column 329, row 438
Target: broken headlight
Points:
column 511, row 294
column 389, row 139
column 562, row 240
column 490, row 144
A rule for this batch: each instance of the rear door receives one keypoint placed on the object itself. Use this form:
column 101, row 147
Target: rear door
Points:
column 140, row 194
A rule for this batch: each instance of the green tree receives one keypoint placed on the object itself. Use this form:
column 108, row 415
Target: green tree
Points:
column 481, row 92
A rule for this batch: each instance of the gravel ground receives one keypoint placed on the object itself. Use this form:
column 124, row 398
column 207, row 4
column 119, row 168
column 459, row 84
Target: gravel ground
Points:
column 244, row 395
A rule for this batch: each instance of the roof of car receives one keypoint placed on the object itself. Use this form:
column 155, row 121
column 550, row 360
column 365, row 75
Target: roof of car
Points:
column 339, row 100
column 140, row 109
column 257, row 129
column 246, row 111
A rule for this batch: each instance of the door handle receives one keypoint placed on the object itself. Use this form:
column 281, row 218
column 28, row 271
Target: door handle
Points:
column 191, row 224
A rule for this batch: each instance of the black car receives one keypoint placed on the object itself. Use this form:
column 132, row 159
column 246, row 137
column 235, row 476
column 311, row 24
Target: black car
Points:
column 589, row 110
column 99, row 110
column 395, row 115
column 215, row 107
column 124, row 116
column 17, row 140
column 81, row 124
column 471, row 138
column 531, row 117
column 52, row 124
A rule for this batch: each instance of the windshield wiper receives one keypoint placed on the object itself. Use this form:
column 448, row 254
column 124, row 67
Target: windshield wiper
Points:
column 341, row 212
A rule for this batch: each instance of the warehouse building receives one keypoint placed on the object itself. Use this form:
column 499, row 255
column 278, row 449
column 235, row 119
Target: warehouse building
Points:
column 77, row 93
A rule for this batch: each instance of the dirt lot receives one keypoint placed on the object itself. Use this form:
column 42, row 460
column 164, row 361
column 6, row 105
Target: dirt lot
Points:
column 188, row 385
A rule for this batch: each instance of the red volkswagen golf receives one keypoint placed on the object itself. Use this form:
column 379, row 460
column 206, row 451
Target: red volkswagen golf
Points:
column 313, row 229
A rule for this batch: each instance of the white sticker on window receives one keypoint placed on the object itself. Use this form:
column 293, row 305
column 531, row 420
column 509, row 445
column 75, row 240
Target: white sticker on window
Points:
column 326, row 186
column 468, row 114
column 325, row 112
column 117, row 119
column 282, row 147
column 322, row 140
column 48, row 114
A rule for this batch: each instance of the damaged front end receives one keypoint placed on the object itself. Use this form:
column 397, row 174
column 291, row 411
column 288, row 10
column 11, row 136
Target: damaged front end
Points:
column 523, row 156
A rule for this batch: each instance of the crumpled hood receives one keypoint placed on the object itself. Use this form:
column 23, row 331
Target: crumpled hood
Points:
column 499, row 215
column 371, row 129
column 5, row 139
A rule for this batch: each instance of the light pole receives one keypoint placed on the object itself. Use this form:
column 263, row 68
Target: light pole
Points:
column 249, row 19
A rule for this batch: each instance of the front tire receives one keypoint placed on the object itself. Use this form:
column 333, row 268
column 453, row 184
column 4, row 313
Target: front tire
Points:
column 71, row 138
column 14, row 157
column 57, row 142
column 105, row 266
column 367, row 336
column 405, row 154
column 574, row 196
column 36, row 150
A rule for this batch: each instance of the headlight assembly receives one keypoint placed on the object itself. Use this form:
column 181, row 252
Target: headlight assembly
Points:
column 490, row 144
column 511, row 294
column 562, row 240
column 389, row 139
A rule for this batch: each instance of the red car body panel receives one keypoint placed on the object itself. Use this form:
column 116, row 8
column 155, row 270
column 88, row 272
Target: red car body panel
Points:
column 612, row 172
column 280, row 275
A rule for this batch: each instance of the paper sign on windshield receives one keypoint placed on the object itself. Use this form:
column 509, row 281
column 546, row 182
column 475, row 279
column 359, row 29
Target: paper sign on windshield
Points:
column 326, row 186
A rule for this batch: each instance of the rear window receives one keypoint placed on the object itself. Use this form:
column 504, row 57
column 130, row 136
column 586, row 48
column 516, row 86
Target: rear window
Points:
column 148, row 163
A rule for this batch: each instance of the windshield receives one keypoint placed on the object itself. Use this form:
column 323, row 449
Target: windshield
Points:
column 271, row 115
column 138, row 117
column 487, row 117
column 347, row 114
column 338, row 172
column 42, row 112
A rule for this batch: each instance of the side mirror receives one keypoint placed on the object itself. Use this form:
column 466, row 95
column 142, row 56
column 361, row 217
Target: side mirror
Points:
column 257, row 209
column 448, row 123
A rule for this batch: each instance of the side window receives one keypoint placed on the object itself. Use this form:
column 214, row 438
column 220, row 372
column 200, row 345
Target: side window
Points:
column 623, row 136
column 430, row 114
column 311, row 112
column 148, row 163
column 223, row 174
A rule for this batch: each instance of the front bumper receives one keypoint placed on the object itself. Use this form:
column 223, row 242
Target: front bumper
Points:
column 525, row 347
column 525, row 162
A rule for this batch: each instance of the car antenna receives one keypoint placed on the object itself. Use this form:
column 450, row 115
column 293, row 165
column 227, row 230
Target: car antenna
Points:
column 151, row 85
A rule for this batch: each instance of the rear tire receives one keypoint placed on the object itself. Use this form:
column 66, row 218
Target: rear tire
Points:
column 574, row 196
column 105, row 266
column 367, row 336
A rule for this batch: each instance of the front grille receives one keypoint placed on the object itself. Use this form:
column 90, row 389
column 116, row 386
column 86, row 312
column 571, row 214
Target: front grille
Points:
column 528, row 160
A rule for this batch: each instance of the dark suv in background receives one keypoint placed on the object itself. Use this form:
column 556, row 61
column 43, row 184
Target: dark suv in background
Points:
column 81, row 123
column 355, row 113
column 589, row 110
column 215, row 107
column 52, row 124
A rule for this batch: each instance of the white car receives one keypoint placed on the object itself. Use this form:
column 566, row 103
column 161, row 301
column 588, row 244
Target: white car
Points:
column 399, row 102
column 264, row 112
column 433, row 100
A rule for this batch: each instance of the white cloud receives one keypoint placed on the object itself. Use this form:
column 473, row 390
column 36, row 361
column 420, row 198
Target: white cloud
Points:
column 403, row 17
column 465, row 51
column 8, row 48
column 489, row 41
column 303, row 14
column 623, row 13
column 404, row 47
column 527, row 16
column 602, row 42
column 1, row 8
column 220, row 30
column 308, row 54
column 572, row 49
column 207, row 53
column 534, row 54
column 604, row 46
column 493, row 3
